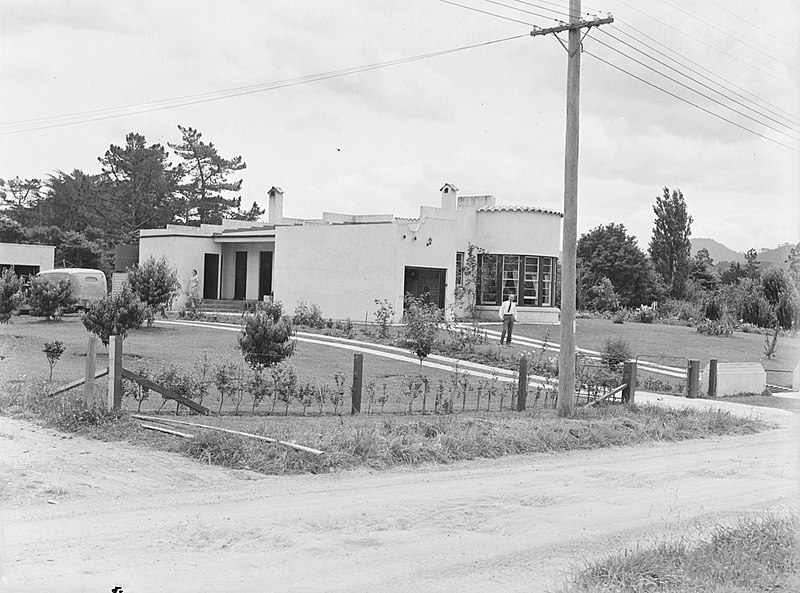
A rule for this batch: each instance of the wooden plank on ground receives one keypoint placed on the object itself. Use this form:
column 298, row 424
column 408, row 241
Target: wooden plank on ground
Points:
column 77, row 383
column 607, row 395
column 178, row 433
column 229, row 431
column 164, row 391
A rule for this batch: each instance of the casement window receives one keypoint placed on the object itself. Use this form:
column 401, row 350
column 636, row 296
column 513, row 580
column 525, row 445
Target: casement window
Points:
column 459, row 268
column 531, row 278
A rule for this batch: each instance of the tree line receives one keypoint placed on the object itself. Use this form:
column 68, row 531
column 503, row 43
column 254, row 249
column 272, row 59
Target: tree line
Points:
column 614, row 273
column 86, row 214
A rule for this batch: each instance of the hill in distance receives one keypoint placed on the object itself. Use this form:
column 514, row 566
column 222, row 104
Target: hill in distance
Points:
column 721, row 253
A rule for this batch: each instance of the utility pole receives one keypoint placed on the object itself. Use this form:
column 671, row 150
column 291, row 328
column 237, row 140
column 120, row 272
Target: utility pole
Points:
column 569, row 245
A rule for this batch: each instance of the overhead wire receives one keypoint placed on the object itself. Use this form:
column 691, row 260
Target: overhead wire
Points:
column 712, row 99
column 752, row 97
column 486, row 12
column 162, row 104
column 738, row 38
column 745, row 128
column 694, row 80
column 700, row 107
column 754, row 26
column 755, row 66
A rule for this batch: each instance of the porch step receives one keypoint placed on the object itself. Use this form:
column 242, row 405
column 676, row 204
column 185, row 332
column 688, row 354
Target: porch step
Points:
column 226, row 306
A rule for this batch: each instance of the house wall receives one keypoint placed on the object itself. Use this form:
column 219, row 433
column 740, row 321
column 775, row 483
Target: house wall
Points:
column 19, row 254
column 528, row 233
column 184, row 253
column 341, row 268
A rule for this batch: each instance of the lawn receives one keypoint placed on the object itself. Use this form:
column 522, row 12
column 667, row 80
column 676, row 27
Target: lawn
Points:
column 673, row 343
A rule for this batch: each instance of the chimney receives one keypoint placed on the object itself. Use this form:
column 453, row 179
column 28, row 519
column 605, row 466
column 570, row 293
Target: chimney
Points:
column 449, row 196
column 275, row 205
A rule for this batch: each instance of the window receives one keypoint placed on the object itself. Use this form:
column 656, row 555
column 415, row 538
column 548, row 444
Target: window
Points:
column 510, row 275
column 529, row 277
column 459, row 268
column 530, row 291
column 488, row 279
column 547, row 281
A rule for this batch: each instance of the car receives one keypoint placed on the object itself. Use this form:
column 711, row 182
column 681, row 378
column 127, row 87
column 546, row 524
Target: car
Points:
column 88, row 285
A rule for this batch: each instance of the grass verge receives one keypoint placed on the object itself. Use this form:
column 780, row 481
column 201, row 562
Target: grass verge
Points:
column 755, row 554
column 384, row 441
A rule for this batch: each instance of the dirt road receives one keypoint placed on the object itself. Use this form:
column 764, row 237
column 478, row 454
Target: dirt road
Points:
column 84, row 516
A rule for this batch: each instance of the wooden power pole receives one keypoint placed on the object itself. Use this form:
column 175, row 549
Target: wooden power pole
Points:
column 569, row 245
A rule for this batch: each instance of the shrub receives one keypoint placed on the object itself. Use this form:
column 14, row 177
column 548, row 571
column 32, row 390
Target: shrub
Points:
column 712, row 310
column 615, row 351
column 155, row 283
column 50, row 298
column 383, row 317
column 273, row 309
column 265, row 341
column 308, row 315
column 53, row 351
column 644, row 314
column 9, row 294
column 284, row 377
column 715, row 328
column 602, row 296
column 422, row 319
column 619, row 317
column 114, row 315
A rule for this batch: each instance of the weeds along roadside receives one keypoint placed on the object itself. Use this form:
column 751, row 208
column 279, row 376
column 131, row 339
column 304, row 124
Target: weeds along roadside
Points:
column 760, row 553
column 381, row 441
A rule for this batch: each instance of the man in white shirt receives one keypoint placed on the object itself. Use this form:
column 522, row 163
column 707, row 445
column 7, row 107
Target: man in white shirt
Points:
column 508, row 313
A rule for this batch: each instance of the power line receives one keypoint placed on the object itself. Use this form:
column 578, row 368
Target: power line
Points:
column 757, row 67
column 753, row 26
column 544, row 16
column 162, row 104
column 494, row 14
column 737, row 38
column 655, row 86
column 702, row 84
column 712, row 99
column 786, row 115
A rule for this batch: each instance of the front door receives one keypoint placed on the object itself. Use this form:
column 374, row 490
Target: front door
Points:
column 428, row 282
column 211, row 276
column 240, row 276
column 265, row 274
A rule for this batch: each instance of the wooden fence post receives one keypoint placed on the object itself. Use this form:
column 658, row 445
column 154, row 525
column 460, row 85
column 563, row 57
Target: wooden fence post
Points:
column 114, row 372
column 693, row 379
column 629, row 379
column 712, row 377
column 522, row 386
column 358, row 375
column 91, row 363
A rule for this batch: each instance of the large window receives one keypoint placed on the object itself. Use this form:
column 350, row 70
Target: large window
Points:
column 531, row 278
column 487, row 293
column 530, row 290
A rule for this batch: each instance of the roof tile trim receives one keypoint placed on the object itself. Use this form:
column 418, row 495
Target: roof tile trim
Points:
column 519, row 209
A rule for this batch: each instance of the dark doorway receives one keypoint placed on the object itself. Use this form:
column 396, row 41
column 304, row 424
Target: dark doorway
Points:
column 211, row 276
column 240, row 276
column 430, row 281
column 264, row 274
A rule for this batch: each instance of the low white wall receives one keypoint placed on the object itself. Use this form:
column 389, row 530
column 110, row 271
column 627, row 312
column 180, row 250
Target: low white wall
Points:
column 524, row 314
column 734, row 378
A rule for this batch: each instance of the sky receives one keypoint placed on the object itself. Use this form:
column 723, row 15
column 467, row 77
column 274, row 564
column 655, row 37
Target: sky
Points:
column 489, row 120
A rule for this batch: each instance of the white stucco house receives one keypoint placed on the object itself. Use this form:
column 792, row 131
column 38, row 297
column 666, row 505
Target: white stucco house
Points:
column 26, row 259
column 344, row 262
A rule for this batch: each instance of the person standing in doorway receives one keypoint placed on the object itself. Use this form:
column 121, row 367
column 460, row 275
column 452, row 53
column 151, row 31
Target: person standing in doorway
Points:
column 508, row 313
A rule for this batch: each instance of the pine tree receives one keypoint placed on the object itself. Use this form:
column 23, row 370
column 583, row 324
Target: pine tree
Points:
column 206, row 179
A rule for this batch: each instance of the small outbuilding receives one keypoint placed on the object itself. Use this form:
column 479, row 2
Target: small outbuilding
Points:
column 345, row 262
column 25, row 259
